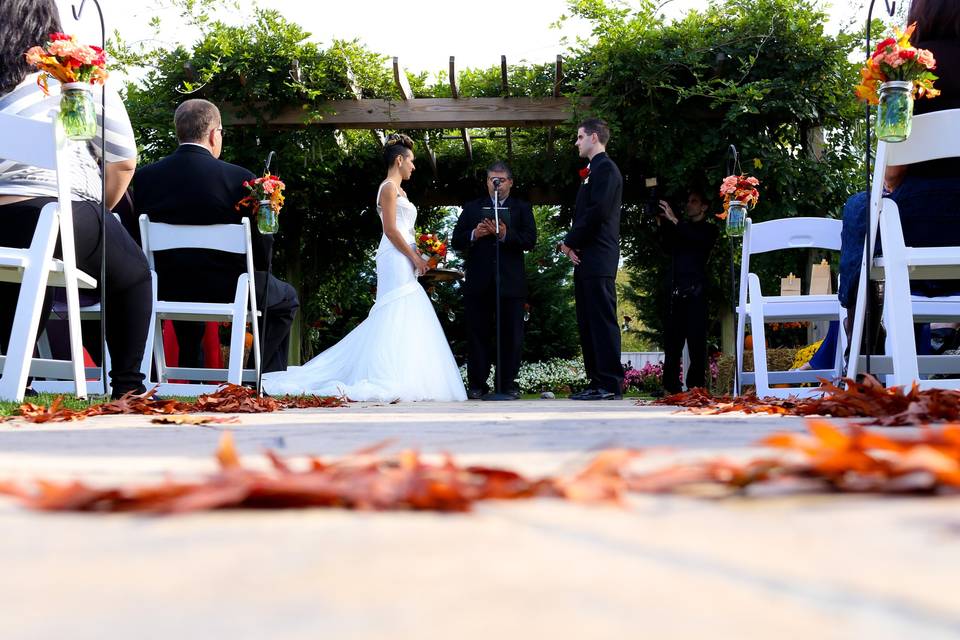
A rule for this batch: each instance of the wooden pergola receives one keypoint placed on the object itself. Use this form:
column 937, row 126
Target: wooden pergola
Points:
column 457, row 112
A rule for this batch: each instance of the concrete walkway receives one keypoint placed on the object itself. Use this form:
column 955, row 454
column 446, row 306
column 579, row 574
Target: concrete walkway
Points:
column 665, row 567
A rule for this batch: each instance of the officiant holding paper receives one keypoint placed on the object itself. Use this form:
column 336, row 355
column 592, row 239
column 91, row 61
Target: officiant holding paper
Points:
column 475, row 237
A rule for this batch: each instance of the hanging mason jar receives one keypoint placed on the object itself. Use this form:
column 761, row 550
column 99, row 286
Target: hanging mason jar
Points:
column 736, row 215
column 895, row 111
column 77, row 113
column 267, row 220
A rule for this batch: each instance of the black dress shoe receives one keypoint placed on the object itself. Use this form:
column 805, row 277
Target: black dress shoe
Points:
column 474, row 394
column 513, row 393
column 599, row 394
column 580, row 395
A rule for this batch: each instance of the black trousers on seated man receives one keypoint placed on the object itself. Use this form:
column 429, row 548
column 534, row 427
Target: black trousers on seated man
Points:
column 281, row 306
column 480, row 308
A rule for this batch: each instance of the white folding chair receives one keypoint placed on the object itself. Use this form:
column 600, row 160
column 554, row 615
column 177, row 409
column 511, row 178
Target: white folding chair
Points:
column 775, row 235
column 41, row 144
column 233, row 238
column 934, row 136
column 96, row 383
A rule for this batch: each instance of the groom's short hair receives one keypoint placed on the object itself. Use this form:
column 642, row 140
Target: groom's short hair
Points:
column 194, row 118
column 597, row 126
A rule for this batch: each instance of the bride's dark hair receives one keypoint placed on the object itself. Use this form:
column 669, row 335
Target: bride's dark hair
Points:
column 396, row 144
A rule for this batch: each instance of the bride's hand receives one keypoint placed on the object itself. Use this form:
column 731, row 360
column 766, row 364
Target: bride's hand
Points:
column 420, row 266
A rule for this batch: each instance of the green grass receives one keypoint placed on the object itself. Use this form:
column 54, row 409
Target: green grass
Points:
column 69, row 402
column 46, row 399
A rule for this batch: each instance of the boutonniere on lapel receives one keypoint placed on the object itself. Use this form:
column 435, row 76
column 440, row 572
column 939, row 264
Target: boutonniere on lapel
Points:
column 585, row 175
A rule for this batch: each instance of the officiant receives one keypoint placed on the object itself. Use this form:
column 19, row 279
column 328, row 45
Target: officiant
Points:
column 475, row 237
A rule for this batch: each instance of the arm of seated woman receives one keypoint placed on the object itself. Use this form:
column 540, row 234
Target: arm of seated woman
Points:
column 119, row 175
column 893, row 176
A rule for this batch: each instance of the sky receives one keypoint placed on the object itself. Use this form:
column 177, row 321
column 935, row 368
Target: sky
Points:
column 422, row 33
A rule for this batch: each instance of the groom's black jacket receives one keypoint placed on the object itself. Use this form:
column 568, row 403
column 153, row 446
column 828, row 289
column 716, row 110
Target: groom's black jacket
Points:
column 190, row 186
column 595, row 234
column 521, row 236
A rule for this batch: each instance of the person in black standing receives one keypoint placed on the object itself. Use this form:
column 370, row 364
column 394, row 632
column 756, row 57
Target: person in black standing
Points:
column 593, row 245
column 193, row 186
column 474, row 236
column 689, row 242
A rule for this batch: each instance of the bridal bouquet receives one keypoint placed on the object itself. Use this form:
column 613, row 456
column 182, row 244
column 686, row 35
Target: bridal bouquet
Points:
column 68, row 61
column 432, row 247
column 896, row 60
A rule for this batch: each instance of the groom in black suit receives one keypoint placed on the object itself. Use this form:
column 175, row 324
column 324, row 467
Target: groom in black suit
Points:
column 192, row 186
column 475, row 236
column 593, row 245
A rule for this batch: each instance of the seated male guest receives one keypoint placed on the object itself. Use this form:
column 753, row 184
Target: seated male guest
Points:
column 476, row 237
column 192, row 186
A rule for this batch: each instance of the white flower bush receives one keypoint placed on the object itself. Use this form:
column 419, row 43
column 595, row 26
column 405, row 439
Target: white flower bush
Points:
column 555, row 375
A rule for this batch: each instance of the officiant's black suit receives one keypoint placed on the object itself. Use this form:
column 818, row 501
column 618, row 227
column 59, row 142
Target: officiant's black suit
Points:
column 595, row 236
column 190, row 186
column 479, row 292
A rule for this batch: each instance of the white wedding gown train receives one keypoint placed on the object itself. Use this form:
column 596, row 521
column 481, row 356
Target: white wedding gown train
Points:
column 399, row 352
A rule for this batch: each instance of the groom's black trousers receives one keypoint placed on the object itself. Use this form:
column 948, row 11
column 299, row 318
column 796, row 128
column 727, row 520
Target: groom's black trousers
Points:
column 480, row 309
column 596, row 299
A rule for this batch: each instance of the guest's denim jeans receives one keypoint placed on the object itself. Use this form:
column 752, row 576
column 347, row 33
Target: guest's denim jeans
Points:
column 930, row 215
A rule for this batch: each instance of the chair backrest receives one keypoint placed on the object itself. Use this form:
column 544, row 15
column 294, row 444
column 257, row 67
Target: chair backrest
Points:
column 933, row 136
column 40, row 143
column 792, row 233
column 232, row 238
column 27, row 141
column 785, row 233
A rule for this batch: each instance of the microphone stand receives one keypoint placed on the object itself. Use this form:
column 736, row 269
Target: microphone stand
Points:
column 266, row 291
column 498, row 394
column 891, row 8
column 77, row 12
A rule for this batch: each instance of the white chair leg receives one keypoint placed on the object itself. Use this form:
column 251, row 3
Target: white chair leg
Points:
column 26, row 322
column 741, row 338
column 147, row 361
column 897, row 309
column 757, row 330
column 237, row 331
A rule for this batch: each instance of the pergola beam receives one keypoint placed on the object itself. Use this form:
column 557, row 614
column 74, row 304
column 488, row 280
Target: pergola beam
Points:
column 423, row 113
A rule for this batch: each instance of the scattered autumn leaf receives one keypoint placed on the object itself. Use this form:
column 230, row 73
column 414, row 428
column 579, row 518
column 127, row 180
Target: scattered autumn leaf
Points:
column 826, row 459
column 886, row 406
column 227, row 399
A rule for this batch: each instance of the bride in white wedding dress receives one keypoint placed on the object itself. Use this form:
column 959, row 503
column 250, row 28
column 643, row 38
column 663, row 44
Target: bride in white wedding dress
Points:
column 400, row 351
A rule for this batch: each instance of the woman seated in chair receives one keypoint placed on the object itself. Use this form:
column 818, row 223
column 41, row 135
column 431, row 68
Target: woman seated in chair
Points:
column 927, row 193
column 24, row 190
